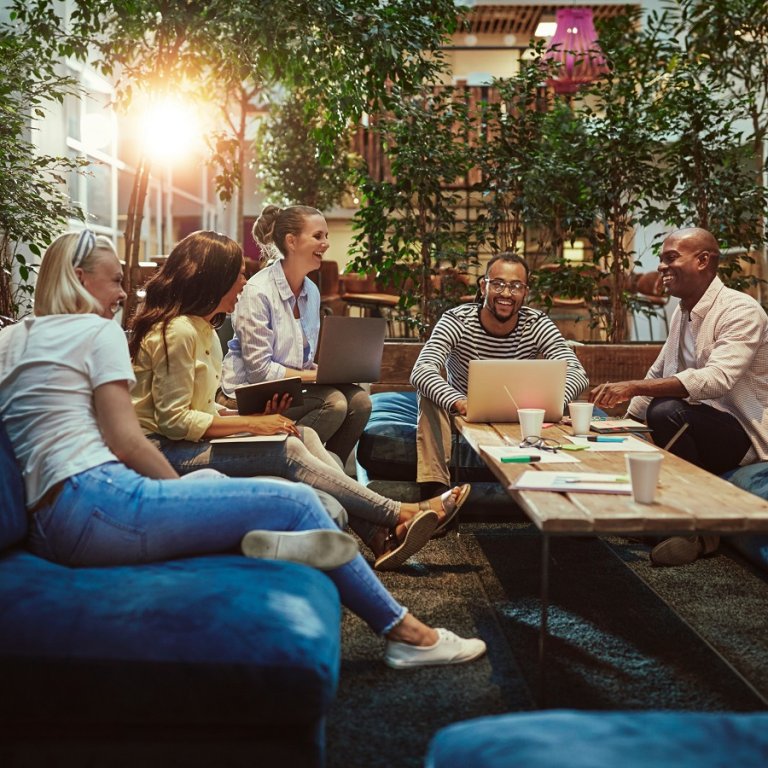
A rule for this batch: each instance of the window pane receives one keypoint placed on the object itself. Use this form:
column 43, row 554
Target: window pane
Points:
column 98, row 184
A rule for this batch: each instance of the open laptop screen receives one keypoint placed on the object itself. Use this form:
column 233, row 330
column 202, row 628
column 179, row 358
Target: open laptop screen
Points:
column 497, row 388
column 350, row 349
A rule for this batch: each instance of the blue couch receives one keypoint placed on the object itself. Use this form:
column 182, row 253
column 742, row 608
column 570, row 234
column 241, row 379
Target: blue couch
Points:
column 753, row 478
column 386, row 457
column 556, row 739
column 215, row 660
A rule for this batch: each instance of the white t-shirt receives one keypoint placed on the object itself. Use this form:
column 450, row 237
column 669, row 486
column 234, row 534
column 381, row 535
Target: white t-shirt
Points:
column 49, row 367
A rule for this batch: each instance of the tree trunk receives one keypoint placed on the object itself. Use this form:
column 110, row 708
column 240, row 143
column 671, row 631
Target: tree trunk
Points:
column 6, row 279
column 134, row 219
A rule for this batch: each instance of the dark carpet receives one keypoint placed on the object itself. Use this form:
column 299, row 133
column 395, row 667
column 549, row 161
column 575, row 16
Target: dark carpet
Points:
column 686, row 639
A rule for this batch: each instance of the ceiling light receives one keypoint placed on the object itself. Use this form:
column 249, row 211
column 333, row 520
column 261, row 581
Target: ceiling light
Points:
column 545, row 29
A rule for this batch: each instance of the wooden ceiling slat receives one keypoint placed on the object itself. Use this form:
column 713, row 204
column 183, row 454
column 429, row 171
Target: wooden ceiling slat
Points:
column 522, row 20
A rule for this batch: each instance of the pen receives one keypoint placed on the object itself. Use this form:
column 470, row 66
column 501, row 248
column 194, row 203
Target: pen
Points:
column 598, row 480
column 602, row 439
column 519, row 459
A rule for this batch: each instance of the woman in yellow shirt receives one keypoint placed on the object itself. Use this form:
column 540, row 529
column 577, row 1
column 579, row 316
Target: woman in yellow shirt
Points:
column 177, row 361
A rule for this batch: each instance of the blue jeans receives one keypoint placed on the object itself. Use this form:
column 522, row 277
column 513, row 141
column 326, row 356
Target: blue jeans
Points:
column 305, row 461
column 110, row 515
column 337, row 413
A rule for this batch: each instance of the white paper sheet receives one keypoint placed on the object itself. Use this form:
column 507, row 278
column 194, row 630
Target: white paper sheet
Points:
column 573, row 482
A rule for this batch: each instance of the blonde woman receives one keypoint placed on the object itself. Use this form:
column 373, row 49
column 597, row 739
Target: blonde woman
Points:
column 277, row 324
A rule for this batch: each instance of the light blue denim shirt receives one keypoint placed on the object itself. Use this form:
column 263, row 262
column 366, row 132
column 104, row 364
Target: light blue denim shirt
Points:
column 267, row 337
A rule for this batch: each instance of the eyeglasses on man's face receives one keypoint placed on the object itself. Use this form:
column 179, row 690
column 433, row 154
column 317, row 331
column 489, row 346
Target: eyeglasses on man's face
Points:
column 499, row 286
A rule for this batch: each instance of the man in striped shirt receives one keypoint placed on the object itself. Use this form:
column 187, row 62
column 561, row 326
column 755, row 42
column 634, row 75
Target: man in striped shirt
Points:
column 496, row 326
column 710, row 379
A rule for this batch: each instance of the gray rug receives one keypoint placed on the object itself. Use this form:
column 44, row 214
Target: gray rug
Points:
column 384, row 718
column 615, row 642
column 723, row 597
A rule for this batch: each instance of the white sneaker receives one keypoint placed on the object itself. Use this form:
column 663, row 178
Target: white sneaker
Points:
column 322, row 549
column 449, row 649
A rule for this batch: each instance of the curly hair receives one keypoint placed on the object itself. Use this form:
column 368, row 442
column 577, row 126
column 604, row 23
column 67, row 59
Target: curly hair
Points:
column 197, row 274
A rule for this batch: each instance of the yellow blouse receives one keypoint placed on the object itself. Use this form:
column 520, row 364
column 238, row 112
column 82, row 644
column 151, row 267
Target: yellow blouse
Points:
column 177, row 399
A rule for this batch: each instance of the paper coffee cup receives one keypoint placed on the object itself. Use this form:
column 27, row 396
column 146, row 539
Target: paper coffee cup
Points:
column 643, row 470
column 531, row 420
column 581, row 417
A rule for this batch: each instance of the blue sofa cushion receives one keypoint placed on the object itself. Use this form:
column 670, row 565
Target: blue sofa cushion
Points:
column 387, row 447
column 210, row 640
column 752, row 478
column 13, row 512
column 595, row 739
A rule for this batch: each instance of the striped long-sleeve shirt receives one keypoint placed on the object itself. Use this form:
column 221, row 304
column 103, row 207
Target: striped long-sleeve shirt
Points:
column 459, row 337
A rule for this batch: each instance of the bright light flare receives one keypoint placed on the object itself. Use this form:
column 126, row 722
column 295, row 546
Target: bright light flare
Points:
column 170, row 129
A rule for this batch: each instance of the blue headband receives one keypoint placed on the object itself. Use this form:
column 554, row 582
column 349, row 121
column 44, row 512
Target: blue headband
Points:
column 85, row 244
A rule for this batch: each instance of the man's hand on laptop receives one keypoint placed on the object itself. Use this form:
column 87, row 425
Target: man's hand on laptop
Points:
column 459, row 408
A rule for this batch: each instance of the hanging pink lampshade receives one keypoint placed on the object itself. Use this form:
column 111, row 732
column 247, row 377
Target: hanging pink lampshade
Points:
column 574, row 45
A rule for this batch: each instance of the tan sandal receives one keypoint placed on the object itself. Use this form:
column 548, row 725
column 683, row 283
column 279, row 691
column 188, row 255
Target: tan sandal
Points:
column 418, row 532
column 450, row 504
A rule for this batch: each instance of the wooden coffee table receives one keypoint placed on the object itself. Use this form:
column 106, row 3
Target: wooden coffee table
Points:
column 689, row 500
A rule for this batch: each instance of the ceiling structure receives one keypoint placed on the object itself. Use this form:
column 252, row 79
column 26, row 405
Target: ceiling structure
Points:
column 522, row 20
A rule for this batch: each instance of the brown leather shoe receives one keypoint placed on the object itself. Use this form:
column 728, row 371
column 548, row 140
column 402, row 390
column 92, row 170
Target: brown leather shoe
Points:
column 682, row 550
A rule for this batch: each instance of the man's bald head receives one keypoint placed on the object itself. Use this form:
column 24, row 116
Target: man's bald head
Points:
column 696, row 239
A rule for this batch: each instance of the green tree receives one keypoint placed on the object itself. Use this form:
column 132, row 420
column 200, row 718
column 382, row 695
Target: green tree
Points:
column 707, row 177
column 289, row 156
column 621, row 139
column 408, row 225
column 508, row 132
column 343, row 54
column 33, row 198
column 730, row 38
column 651, row 143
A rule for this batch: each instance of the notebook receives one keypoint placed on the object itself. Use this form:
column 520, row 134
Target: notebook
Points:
column 607, row 425
column 247, row 437
column 350, row 349
column 253, row 398
column 497, row 388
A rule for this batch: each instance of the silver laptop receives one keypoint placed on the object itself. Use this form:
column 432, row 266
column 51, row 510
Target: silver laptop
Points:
column 497, row 388
column 350, row 349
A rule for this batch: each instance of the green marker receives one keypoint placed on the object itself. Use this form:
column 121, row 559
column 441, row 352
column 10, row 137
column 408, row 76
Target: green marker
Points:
column 519, row 459
column 620, row 479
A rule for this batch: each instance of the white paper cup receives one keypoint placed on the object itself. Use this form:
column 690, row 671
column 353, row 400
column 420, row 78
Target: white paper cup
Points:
column 581, row 417
column 531, row 420
column 643, row 470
